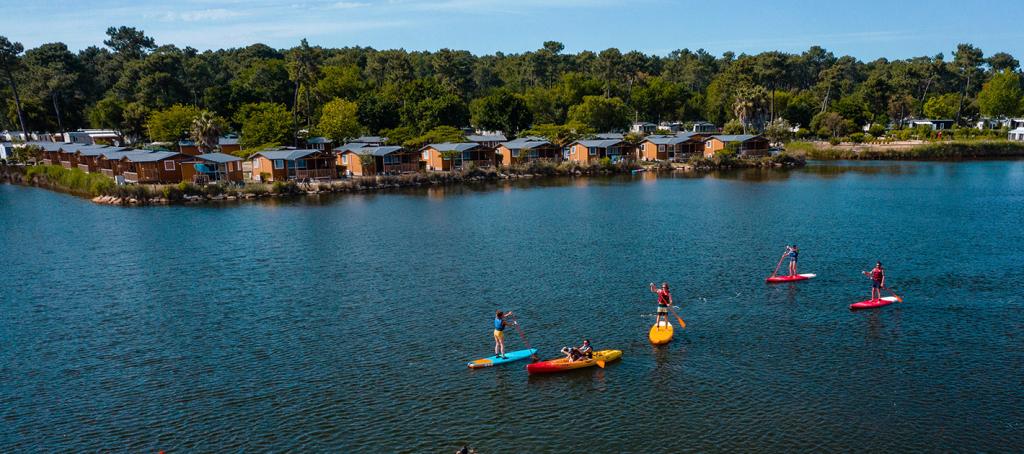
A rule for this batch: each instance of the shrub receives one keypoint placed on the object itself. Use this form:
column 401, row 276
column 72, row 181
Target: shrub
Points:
column 857, row 137
column 834, row 141
column 284, row 187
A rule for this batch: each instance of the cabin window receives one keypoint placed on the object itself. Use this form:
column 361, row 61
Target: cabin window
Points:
column 592, row 150
column 661, row 148
column 278, row 164
column 300, row 164
column 169, row 165
column 344, row 159
column 392, row 160
column 256, row 163
column 426, row 155
column 534, row 153
column 515, row 153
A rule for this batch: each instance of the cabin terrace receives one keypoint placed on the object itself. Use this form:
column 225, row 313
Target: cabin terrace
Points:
column 454, row 156
column 390, row 160
column 284, row 165
column 528, row 149
column 592, row 151
column 748, row 145
column 211, row 168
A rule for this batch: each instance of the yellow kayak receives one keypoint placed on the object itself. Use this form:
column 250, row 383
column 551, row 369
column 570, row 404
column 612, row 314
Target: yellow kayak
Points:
column 563, row 364
column 661, row 333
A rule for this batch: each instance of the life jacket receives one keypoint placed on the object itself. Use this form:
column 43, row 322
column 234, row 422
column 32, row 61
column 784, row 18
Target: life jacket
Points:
column 877, row 274
column 663, row 297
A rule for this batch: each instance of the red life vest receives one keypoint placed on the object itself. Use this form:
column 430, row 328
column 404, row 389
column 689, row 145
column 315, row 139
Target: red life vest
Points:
column 877, row 274
column 663, row 298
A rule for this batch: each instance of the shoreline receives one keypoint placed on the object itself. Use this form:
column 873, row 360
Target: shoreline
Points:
column 92, row 187
column 913, row 150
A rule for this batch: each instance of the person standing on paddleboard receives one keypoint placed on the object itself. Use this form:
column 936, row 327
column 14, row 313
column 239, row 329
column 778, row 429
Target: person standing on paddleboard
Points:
column 664, row 301
column 793, row 253
column 877, row 276
column 499, row 333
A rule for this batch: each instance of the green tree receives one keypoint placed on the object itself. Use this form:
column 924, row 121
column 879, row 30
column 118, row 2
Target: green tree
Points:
column 9, row 52
column 107, row 113
column 440, row 134
column 172, row 124
column 601, row 114
column 303, row 63
column 502, row 110
column 129, row 42
column 560, row 135
column 264, row 123
column 1001, row 95
column 966, row 59
column 942, row 106
column 339, row 120
column 778, row 131
column 344, row 82
column 133, row 121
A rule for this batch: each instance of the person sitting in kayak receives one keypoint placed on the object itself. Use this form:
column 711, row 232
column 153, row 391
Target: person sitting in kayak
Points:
column 793, row 253
column 499, row 333
column 577, row 353
column 586, row 349
column 877, row 276
column 664, row 301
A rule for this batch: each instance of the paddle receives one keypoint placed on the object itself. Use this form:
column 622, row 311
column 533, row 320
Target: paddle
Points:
column 898, row 298
column 600, row 363
column 776, row 272
column 679, row 319
column 522, row 336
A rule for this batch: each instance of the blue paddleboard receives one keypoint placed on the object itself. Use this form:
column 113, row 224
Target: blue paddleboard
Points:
column 496, row 361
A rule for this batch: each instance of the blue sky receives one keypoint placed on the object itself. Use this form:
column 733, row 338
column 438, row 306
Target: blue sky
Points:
column 866, row 29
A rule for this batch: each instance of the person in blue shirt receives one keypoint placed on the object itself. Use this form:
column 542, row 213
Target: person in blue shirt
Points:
column 793, row 253
column 499, row 332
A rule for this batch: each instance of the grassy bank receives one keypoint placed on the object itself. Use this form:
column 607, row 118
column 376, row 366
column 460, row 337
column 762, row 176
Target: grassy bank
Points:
column 935, row 151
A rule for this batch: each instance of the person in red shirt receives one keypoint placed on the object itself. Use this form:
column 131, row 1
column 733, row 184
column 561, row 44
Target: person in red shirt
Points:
column 877, row 276
column 664, row 301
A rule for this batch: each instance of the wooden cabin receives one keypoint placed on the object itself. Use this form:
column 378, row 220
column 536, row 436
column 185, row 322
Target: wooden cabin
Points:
column 67, row 155
column 670, row 148
column 749, row 145
column 229, row 145
column 339, row 153
column 592, row 151
column 212, row 167
column 487, row 140
column 527, row 149
column 319, row 143
column 390, row 160
column 50, row 154
column 188, row 147
column 283, row 165
column 454, row 156
column 152, row 166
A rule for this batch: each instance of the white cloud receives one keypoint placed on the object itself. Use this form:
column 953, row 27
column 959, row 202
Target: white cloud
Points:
column 213, row 14
column 348, row 5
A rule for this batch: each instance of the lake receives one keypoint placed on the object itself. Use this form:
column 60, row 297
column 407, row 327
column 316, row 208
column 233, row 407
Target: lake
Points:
column 344, row 322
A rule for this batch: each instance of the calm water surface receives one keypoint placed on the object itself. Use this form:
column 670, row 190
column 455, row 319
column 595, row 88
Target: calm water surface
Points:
column 344, row 323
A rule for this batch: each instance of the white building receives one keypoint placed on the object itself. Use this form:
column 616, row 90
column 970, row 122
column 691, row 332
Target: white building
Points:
column 1016, row 134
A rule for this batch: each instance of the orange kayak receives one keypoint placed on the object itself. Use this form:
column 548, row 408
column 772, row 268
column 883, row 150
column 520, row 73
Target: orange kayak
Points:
column 563, row 364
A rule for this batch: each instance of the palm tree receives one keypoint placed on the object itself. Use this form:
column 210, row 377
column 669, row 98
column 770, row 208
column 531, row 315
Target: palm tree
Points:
column 742, row 107
column 205, row 131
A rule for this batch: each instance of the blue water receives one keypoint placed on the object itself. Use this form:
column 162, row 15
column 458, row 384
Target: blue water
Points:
column 344, row 323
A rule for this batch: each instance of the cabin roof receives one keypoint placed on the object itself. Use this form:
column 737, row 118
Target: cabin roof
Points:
column 453, row 146
column 219, row 158
column 667, row 140
column 318, row 140
column 601, row 143
column 525, row 143
column 148, row 156
column 287, row 155
column 734, row 137
column 486, row 138
column 377, row 151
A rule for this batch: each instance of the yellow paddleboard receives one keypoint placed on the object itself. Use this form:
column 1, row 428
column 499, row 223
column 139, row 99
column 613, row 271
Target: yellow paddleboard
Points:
column 661, row 333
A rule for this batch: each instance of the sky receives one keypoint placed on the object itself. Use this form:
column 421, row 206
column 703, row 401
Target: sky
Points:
column 866, row 29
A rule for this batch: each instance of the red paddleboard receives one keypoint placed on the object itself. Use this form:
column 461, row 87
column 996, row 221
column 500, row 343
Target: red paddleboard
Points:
column 793, row 278
column 871, row 304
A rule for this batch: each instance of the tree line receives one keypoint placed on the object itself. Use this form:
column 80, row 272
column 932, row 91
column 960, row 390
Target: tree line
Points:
column 164, row 93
